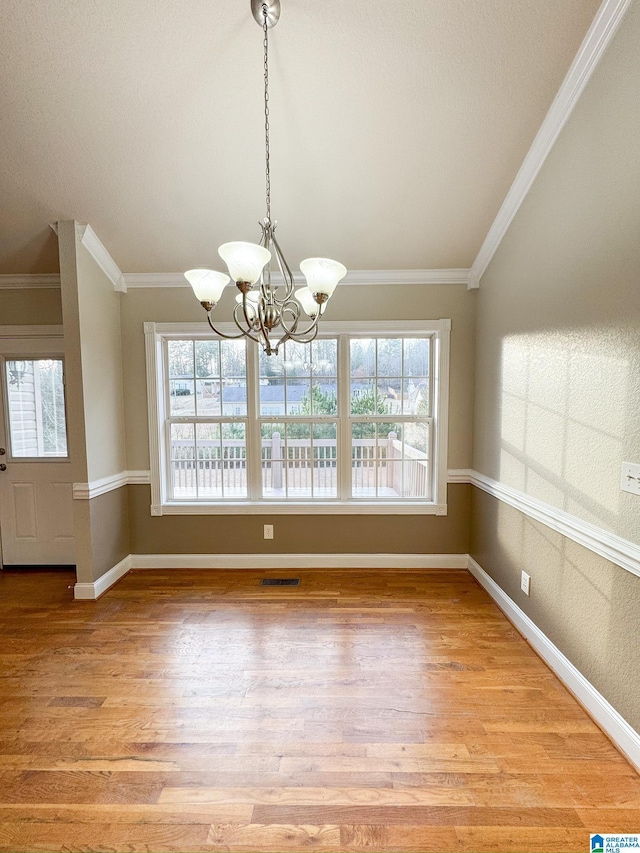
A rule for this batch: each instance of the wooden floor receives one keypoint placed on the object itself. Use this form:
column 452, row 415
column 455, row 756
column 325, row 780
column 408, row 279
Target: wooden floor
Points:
column 192, row 711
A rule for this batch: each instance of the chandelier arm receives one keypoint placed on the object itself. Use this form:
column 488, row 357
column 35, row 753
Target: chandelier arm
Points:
column 242, row 334
column 292, row 332
column 285, row 271
column 299, row 337
column 245, row 332
column 222, row 334
column 247, row 319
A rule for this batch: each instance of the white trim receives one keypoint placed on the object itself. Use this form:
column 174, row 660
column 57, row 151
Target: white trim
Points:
column 459, row 475
column 621, row 733
column 91, row 591
column 44, row 281
column 287, row 562
column 604, row 26
column 440, row 439
column 328, row 327
column 101, row 256
column 31, row 332
column 315, row 507
column 382, row 277
column 155, row 333
column 608, row 545
column 87, row 491
column 155, row 412
column 135, row 478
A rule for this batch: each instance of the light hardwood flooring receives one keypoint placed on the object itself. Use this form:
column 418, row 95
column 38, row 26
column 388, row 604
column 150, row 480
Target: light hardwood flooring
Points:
column 364, row 710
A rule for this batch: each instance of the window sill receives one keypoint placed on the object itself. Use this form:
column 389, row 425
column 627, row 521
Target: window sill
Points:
column 301, row 508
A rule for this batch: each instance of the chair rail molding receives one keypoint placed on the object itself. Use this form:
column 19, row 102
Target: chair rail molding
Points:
column 87, row 491
column 612, row 547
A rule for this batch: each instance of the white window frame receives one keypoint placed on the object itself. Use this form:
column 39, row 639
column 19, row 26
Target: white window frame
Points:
column 161, row 504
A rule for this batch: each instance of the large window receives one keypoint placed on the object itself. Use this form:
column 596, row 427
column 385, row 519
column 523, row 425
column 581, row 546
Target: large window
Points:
column 353, row 422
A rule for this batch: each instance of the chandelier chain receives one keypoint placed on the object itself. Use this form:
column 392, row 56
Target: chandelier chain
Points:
column 265, row 29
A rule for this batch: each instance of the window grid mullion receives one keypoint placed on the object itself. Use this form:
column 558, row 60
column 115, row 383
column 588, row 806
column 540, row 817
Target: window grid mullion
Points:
column 344, row 450
column 343, row 420
column 253, row 435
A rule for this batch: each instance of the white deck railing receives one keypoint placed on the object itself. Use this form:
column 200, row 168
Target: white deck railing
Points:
column 298, row 466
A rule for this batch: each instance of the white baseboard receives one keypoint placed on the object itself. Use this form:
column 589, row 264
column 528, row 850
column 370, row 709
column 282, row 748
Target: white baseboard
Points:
column 621, row 733
column 299, row 561
column 91, row 591
column 287, row 562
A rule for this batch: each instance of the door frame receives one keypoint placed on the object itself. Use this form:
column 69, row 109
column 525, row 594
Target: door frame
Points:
column 28, row 342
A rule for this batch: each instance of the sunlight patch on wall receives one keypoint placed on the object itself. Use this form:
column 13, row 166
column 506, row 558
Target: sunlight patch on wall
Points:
column 563, row 416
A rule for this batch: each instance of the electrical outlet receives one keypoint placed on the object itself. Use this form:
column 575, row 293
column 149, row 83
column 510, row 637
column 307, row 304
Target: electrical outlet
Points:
column 630, row 478
column 525, row 583
column 268, row 531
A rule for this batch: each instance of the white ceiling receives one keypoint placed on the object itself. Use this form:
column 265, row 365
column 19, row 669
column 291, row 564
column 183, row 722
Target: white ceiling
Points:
column 396, row 128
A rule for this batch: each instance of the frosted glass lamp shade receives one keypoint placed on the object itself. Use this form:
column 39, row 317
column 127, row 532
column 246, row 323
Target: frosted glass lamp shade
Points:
column 252, row 303
column 306, row 298
column 322, row 274
column 207, row 284
column 244, row 260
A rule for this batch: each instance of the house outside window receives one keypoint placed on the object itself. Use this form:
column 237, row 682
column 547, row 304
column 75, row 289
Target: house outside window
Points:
column 353, row 422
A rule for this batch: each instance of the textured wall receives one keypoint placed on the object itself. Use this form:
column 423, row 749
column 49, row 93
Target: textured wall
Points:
column 30, row 306
column 300, row 534
column 91, row 312
column 558, row 356
column 415, row 302
column 109, row 525
column 101, row 346
column 587, row 606
column 305, row 534
column 558, row 380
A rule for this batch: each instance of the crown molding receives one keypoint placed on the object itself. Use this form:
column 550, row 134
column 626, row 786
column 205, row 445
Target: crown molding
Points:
column 31, row 331
column 101, row 256
column 44, row 281
column 600, row 33
column 384, row 277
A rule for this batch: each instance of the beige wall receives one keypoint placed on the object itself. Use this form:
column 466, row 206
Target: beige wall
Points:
column 558, row 358
column 587, row 606
column 414, row 302
column 99, row 315
column 558, row 380
column 95, row 422
column 301, row 534
column 30, row 306
column 109, row 527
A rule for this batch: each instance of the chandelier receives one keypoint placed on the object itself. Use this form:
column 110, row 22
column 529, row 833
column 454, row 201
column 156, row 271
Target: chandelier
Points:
column 274, row 312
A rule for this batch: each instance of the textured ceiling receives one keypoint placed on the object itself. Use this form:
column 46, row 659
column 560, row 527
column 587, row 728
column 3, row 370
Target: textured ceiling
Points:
column 397, row 128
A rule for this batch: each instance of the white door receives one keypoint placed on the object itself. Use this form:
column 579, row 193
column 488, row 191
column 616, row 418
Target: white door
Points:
column 36, row 500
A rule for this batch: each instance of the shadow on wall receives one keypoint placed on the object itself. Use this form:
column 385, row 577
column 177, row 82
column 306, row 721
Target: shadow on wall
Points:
column 565, row 424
